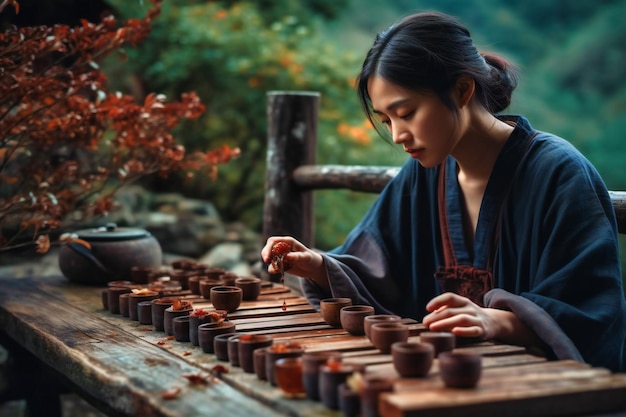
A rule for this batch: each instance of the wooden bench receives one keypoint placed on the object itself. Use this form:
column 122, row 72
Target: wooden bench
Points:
column 292, row 174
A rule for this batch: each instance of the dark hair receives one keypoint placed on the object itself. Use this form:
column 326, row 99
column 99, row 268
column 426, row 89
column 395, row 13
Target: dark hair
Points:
column 429, row 52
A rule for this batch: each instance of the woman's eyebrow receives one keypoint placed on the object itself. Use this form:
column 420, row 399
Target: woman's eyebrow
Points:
column 392, row 105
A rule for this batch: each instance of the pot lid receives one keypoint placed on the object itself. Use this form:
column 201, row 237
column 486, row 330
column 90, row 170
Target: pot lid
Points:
column 112, row 233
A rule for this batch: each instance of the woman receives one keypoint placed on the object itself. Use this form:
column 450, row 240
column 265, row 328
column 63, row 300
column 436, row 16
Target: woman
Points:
column 491, row 229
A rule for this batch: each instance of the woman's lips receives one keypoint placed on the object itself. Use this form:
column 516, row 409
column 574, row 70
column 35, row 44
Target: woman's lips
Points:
column 415, row 153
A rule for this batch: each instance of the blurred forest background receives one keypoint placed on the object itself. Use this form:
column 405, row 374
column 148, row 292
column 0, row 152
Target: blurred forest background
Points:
column 571, row 54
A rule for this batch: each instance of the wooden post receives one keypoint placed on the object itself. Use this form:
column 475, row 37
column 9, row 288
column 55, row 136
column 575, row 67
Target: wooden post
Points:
column 291, row 142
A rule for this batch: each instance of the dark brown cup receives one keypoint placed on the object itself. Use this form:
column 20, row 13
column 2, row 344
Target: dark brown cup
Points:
column 258, row 359
column 220, row 346
column 288, row 376
column 250, row 287
column 248, row 343
column 311, row 363
column 144, row 312
column 329, row 380
column 159, row 306
column 383, row 335
column 168, row 318
column 226, row 298
column 460, row 369
column 208, row 331
column 412, row 359
column 349, row 401
column 194, row 283
column 441, row 341
column 228, row 278
column 370, row 392
column 124, row 300
column 114, row 298
column 135, row 298
column 180, row 328
column 378, row 318
column 233, row 349
column 206, row 285
column 352, row 318
column 278, row 351
column 330, row 308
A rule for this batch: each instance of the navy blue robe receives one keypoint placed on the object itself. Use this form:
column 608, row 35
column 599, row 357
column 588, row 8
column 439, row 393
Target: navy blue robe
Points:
column 555, row 256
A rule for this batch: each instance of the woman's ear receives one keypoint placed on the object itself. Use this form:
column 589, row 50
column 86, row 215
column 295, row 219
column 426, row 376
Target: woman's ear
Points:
column 464, row 89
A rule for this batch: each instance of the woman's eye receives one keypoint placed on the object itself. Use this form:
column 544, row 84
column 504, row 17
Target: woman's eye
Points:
column 407, row 116
column 386, row 122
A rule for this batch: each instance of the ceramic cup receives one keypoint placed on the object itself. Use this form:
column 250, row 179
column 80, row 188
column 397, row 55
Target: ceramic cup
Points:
column 194, row 283
column 370, row 393
column 288, row 376
column 168, row 318
column 114, row 298
column 220, row 346
column 460, row 369
column 201, row 316
column 258, row 359
column 378, row 318
column 349, row 401
column 180, row 328
column 248, row 343
column 232, row 345
column 329, row 380
column 441, row 341
column 311, row 363
column 384, row 334
column 135, row 298
column 330, row 308
column 159, row 306
column 124, row 300
column 352, row 318
column 206, row 285
column 278, row 351
column 412, row 359
column 226, row 298
column 144, row 312
column 208, row 331
column 250, row 287
column 228, row 278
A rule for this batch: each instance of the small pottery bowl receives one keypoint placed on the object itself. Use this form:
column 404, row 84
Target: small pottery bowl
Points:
column 226, row 298
column 311, row 362
column 288, row 376
column 250, row 287
column 330, row 379
column 383, row 335
column 370, row 392
column 411, row 359
column 330, row 308
column 349, row 401
column 228, row 278
column 248, row 343
column 194, row 283
column 114, row 298
column 208, row 331
column 352, row 318
column 144, row 312
column 258, row 358
column 168, row 318
column 460, row 370
column 141, row 274
column 278, row 351
column 180, row 328
column 378, row 318
column 232, row 345
column 135, row 298
column 124, row 300
column 182, row 276
column 441, row 341
column 196, row 318
column 206, row 285
column 159, row 306
column 220, row 346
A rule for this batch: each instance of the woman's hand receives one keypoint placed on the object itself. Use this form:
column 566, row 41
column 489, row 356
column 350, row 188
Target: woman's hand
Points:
column 457, row 314
column 300, row 260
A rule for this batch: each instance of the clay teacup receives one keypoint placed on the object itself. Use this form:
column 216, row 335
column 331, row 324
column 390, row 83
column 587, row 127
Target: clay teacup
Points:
column 330, row 310
column 194, row 283
column 135, row 298
column 226, row 298
column 441, row 341
column 180, row 328
column 460, row 369
column 330, row 379
column 288, row 376
column 144, row 312
column 200, row 316
column 159, row 306
column 378, row 318
column 258, row 358
column 248, row 343
column 208, row 331
column 371, row 390
column 383, row 335
column 141, row 274
column 311, row 363
column 352, row 318
column 232, row 345
column 220, row 346
column 349, row 400
column 114, row 297
column 250, row 287
column 124, row 300
column 412, row 359
column 228, row 278
column 168, row 318
column 278, row 351
column 207, row 284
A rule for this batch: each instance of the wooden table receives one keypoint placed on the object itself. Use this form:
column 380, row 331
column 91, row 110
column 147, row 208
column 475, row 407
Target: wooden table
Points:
column 123, row 367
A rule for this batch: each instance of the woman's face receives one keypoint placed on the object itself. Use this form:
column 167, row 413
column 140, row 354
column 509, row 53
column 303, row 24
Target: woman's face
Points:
column 420, row 122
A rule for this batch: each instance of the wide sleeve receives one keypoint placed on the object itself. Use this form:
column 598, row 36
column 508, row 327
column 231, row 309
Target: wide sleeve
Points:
column 565, row 257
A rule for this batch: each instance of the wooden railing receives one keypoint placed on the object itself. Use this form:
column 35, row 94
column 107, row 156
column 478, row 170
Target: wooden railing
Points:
column 292, row 174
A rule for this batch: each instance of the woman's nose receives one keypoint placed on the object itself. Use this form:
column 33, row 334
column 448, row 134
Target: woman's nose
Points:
column 400, row 135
